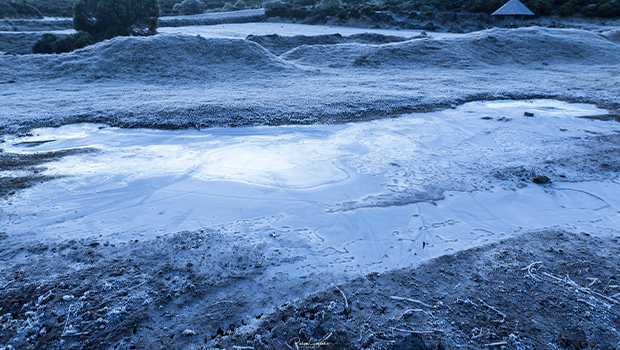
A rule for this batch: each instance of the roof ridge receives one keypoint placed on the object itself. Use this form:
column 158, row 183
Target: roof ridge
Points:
column 513, row 8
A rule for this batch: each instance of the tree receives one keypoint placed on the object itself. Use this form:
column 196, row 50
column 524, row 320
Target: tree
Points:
column 104, row 19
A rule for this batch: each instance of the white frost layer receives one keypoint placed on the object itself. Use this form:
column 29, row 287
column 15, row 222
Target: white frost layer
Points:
column 242, row 30
column 355, row 198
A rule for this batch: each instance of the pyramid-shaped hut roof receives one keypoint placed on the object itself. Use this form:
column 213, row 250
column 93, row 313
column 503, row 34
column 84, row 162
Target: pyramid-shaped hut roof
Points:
column 513, row 8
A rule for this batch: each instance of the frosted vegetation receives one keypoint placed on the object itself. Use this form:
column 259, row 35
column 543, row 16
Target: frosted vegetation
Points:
column 174, row 81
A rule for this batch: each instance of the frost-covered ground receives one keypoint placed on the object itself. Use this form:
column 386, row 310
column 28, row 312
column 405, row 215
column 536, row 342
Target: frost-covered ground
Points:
column 134, row 236
column 172, row 81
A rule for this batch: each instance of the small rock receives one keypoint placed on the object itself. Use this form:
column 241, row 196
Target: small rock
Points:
column 528, row 114
column 541, row 179
column 68, row 297
column 188, row 333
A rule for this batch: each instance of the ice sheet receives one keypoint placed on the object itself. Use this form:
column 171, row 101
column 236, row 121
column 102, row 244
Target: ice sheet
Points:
column 351, row 198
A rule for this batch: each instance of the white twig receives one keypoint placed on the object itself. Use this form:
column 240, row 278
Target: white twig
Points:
column 346, row 303
column 529, row 269
column 327, row 337
column 586, row 290
column 416, row 332
column 368, row 319
column 494, row 309
column 411, row 300
column 410, row 311
column 587, row 302
column 64, row 329
column 497, row 343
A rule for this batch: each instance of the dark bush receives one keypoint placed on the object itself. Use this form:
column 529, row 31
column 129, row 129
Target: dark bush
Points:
column 50, row 43
column 276, row 8
column 297, row 12
column 45, row 44
column 540, row 7
column 566, row 10
column 486, row 6
column 190, row 7
column 589, row 10
column 14, row 9
column 609, row 9
column 329, row 7
column 73, row 42
column 368, row 10
column 355, row 13
column 7, row 11
column 104, row 19
column 305, row 2
column 239, row 5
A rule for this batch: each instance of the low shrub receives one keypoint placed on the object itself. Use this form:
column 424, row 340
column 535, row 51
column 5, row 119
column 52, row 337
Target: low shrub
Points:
column 276, row 8
column 329, row 7
column 608, row 9
column 45, row 44
column 297, row 12
column 14, row 9
column 239, row 5
column 566, row 10
column 540, row 7
column 190, row 7
column 50, row 43
column 305, row 2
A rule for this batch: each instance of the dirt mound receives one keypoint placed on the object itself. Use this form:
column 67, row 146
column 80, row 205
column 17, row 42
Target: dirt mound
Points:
column 612, row 34
column 542, row 290
column 164, row 56
column 278, row 44
column 491, row 47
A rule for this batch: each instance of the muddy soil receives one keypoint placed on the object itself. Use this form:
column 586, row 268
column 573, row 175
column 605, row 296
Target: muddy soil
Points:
column 20, row 171
column 546, row 290
column 174, row 292
column 553, row 290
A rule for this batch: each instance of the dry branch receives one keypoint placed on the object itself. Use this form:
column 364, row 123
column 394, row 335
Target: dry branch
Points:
column 411, row 300
column 346, row 303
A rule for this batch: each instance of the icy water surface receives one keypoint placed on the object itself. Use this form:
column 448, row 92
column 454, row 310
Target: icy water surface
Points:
column 364, row 196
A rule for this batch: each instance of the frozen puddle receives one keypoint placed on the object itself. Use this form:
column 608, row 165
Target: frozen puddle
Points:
column 348, row 198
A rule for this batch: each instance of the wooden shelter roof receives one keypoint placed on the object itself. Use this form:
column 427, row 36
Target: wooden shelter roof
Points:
column 513, row 8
